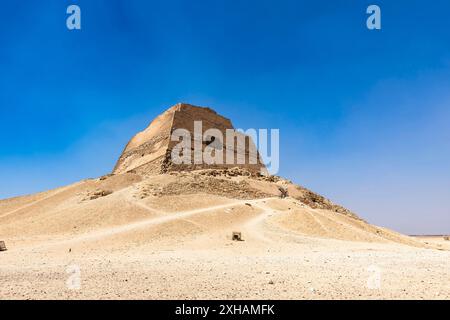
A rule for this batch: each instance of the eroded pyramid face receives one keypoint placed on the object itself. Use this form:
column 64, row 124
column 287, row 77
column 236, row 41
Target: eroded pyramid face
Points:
column 187, row 137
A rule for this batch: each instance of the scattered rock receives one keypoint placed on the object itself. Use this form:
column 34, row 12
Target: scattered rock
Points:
column 106, row 176
column 270, row 178
column 97, row 194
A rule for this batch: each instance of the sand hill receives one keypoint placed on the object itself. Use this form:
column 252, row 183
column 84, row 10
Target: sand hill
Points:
column 148, row 232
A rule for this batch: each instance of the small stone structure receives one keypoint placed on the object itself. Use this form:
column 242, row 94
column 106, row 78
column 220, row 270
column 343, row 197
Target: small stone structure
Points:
column 2, row 246
column 237, row 236
column 447, row 238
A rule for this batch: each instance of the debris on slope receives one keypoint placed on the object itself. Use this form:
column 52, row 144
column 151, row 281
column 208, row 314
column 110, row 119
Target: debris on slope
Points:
column 220, row 187
column 309, row 198
column 92, row 195
column 106, row 176
column 234, row 183
column 192, row 183
column 317, row 201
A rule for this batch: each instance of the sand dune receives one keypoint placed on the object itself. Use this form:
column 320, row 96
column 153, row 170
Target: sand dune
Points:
column 169, row 236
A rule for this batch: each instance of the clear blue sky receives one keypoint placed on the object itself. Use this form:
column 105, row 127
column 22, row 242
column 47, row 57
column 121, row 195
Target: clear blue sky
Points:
column 363, row 115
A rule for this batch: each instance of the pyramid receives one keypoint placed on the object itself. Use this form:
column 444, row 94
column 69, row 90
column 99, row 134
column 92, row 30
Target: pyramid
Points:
column 150, row 151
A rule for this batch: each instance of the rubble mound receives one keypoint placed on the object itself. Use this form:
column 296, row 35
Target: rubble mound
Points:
column 215, row 182
column 316, row 201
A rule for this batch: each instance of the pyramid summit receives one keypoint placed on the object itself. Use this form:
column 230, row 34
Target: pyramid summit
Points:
column 157, row 149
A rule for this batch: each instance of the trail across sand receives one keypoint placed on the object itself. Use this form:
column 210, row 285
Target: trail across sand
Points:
column 155, row 221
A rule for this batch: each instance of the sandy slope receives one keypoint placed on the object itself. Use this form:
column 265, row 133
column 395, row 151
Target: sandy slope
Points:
column 169, row 236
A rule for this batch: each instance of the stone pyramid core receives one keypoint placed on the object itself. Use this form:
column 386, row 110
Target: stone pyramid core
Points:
column 149, row 151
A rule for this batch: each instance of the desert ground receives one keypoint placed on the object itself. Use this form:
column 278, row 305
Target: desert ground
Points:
column 169, row 236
